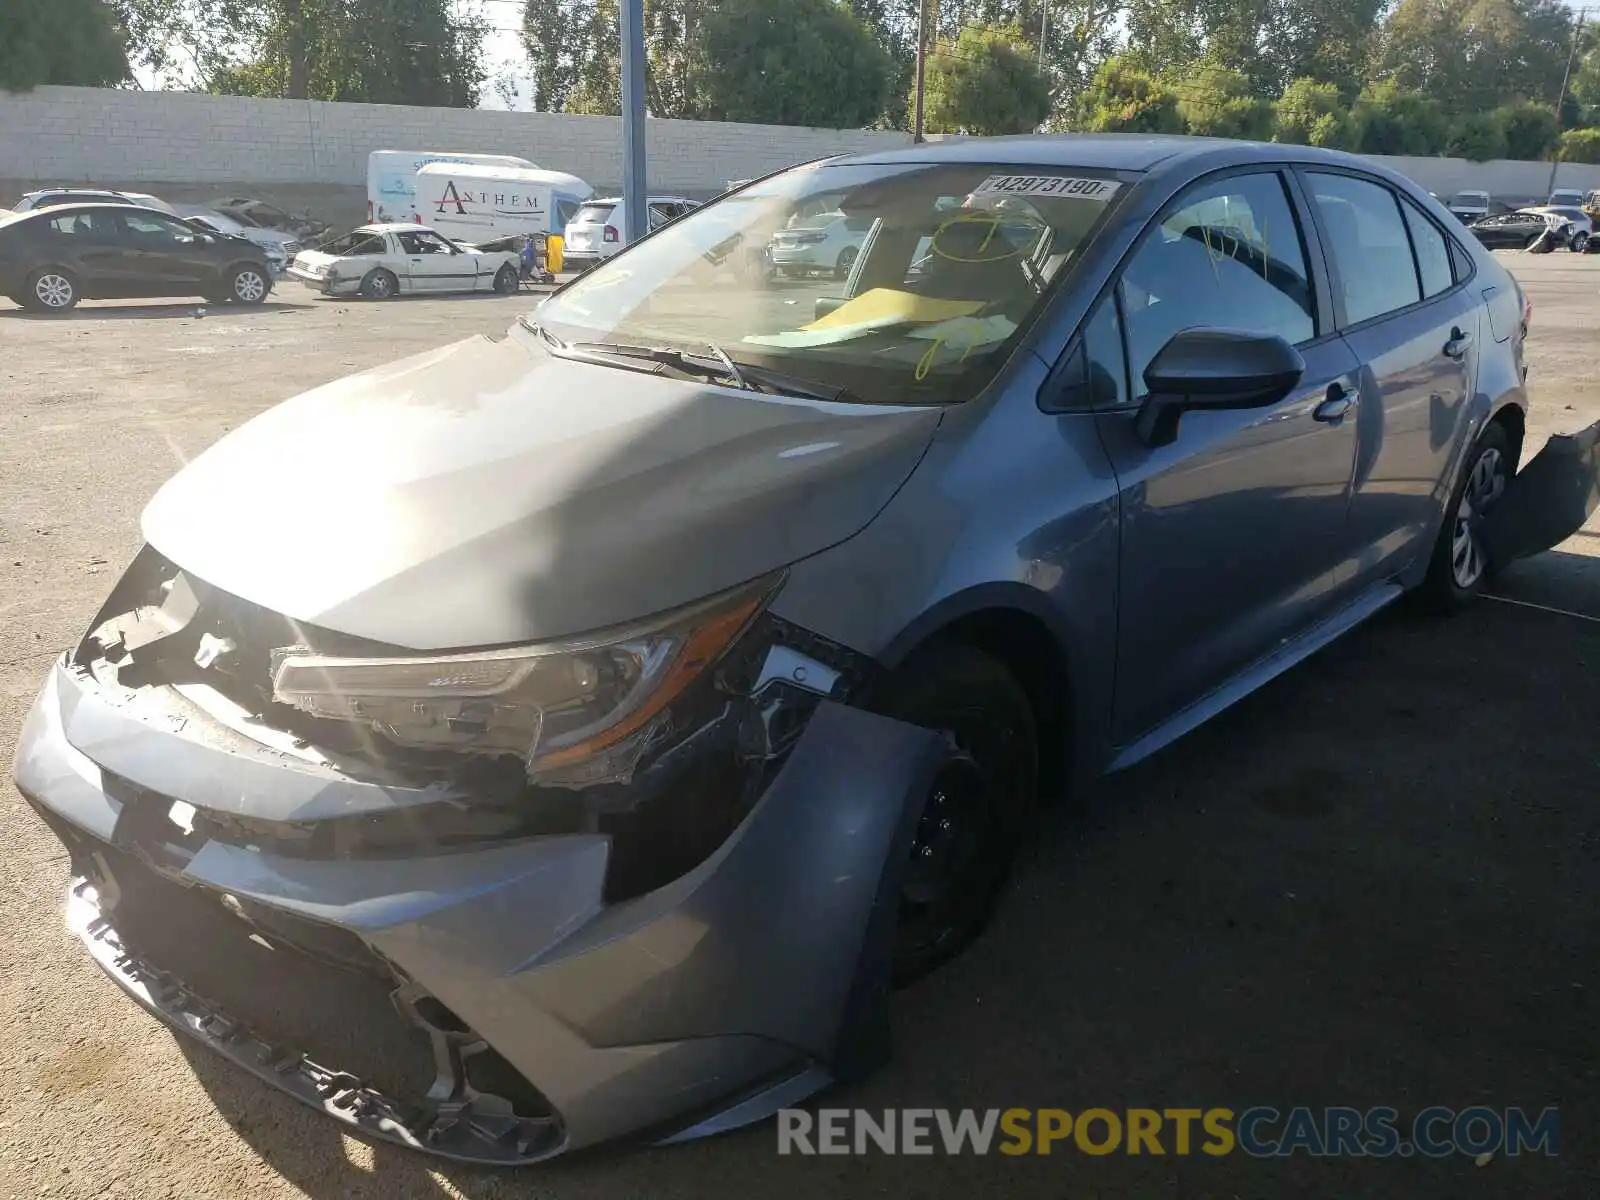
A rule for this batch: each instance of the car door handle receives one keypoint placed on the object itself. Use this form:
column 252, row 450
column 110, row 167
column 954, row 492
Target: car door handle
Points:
column 1458, row 344
column 1338, row 404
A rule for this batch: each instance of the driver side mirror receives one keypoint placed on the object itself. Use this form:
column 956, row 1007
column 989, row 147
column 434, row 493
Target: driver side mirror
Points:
column 1214, row 369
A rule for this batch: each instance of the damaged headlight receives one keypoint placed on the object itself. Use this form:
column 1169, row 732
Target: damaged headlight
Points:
column 577, row 712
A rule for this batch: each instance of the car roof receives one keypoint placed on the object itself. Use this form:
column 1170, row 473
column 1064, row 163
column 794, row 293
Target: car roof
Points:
column 57, row 210
column 651, row 199
column 395, row 227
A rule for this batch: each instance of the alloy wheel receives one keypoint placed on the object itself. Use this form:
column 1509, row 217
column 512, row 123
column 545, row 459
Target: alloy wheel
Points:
column 249, row 287
column 53, row 291
column 1485, row 486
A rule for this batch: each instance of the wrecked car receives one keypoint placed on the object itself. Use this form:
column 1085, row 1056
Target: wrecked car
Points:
column 576, row 736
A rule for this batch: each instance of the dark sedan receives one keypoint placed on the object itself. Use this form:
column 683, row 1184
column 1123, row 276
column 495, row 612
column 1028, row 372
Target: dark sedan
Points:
column 1512, row 230
column 51, row 259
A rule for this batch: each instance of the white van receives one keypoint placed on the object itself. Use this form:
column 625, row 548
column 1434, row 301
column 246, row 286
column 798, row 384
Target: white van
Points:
column 392, row 176
column 477, row 204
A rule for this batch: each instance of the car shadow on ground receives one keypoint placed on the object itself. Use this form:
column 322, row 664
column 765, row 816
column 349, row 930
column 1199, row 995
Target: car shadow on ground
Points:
column 91, row 311
column 1371, row 883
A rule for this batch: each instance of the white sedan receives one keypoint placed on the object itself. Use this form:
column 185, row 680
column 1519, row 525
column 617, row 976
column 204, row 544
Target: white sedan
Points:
column 383, row 261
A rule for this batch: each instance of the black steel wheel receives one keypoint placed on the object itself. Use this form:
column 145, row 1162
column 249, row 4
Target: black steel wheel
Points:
column 976, row 809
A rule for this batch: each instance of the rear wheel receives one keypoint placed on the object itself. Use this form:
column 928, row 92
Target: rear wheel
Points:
column 847, row 259
column 380, row 285
column 506, row 281
column 977, row 807
column 1459, row 566
column 1579, row 243
column 51, row 289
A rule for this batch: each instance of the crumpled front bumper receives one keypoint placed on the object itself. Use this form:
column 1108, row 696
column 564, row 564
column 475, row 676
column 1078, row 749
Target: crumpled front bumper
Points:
column 737, row 989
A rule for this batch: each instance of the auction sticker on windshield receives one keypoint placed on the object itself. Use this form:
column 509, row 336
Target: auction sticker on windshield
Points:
column 1047, row 185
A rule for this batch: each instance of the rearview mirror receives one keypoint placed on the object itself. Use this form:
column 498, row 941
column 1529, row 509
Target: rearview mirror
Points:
column 1214, row 369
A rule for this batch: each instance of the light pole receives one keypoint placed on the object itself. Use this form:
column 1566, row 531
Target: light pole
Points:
column 633, row 164
column 1044, row 32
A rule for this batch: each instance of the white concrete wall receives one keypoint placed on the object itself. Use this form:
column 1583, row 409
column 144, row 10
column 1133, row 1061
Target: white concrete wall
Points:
column 61, row 134
column 1503, row 178
column 90, row 135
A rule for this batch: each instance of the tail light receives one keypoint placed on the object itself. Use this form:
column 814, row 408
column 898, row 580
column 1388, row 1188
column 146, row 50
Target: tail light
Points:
column 611, row 234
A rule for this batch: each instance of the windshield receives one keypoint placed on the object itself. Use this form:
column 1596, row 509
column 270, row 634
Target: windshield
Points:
column 894, row 283
column 362, row 241
column 1471, row 198
column 594, row 214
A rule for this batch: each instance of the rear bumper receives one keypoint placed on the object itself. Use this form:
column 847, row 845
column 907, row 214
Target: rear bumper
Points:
column 741, row 987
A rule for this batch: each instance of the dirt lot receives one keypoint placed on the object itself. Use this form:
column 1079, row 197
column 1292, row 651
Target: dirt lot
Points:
column 1373, row 883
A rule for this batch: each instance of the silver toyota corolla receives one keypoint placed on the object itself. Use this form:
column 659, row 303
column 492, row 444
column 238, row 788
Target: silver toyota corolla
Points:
column 577, row 735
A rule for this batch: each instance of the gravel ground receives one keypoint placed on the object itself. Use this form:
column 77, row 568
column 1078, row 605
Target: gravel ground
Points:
column 1372, row 883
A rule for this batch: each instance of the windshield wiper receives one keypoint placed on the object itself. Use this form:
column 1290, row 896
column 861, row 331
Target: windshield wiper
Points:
column 715, row 365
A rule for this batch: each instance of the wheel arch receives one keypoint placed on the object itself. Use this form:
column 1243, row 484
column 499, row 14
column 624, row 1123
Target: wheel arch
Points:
column 1016, row 625
column 1511, row 414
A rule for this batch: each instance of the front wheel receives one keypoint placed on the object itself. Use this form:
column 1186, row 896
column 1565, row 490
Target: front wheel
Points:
column 1579, row 243
column 847, row 259
column 978, row 806
column 507, row 281
column 1459, row 566
column 248, row 285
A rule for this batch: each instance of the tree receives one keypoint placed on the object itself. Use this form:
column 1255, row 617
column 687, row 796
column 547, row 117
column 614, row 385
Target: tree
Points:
column 60, row 41
column 1531, row 130
column 1474, row 55
column 1123, row 98
column 1387, row 120
column 1329, row 41
column 372, row 51
column 1216, row 101
column 803, row 62
column 1477, row 136
column 985, row 83
column 380, row 51
column 1580, row 145
column 1302, row 108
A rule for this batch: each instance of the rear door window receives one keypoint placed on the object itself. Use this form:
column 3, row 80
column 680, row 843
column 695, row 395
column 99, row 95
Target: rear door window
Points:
column 1369, row 244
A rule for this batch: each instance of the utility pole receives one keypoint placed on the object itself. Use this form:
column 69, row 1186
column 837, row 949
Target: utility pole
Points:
column 633, row 83
column 1561, row 100
column 1044, row 32
column 922, row 70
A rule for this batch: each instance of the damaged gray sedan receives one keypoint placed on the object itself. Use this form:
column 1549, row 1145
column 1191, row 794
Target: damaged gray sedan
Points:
column 576, row 736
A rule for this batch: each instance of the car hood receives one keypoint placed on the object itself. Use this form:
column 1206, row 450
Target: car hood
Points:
column 315, row 258
column 490, row 493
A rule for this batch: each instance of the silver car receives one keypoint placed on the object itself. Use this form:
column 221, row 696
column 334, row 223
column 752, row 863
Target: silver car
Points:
column 547, row 740
column 828, row 242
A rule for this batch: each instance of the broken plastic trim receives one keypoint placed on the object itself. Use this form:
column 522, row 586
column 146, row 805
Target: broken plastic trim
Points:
column 1547, row 501
column 455, row 1121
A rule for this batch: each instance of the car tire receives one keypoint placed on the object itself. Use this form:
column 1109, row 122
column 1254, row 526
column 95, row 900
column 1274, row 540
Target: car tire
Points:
column 1458, row 568
column 978, row 807
column 847, row 259
column 51, row 289
column 507, row 281
column 380, row 285
column 249, row 284
column 1579, row 242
